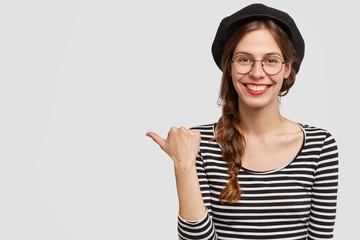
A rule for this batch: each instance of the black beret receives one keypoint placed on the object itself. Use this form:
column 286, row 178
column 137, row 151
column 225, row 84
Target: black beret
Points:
column 256, row 12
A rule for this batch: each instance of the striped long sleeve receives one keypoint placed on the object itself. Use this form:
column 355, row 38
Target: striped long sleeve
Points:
column 296, row 201
column 324, row 192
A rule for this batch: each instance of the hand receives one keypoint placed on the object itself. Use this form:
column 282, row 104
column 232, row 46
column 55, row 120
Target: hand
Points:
column 181, row 144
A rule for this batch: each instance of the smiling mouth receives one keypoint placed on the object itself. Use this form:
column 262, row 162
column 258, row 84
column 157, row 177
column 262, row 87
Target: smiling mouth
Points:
column 256, row 89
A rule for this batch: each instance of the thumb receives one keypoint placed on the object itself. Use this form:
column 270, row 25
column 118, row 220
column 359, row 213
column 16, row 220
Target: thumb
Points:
column 159, row 140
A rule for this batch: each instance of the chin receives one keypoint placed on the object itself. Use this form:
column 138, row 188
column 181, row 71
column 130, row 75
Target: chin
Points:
column 258, row 104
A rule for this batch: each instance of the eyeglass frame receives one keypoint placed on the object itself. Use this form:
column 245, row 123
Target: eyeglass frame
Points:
column 262, row 64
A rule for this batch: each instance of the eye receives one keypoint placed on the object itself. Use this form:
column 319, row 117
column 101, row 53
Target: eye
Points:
column 272, row 60
column 243, row 59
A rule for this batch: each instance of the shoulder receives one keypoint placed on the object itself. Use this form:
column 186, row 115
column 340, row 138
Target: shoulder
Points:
column 209, row 149
column 206, row 130
column 318, row 136
column 320, row 145
column 203, row 127
column 208, row 143
column 314, row 131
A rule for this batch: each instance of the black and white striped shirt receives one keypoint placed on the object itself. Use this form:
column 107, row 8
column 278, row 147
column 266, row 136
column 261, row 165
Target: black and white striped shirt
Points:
column 296, row 201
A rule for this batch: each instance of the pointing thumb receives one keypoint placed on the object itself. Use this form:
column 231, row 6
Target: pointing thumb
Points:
column 159, row 140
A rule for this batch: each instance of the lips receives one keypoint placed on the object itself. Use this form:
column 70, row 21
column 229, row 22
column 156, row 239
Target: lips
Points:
column 256, row 89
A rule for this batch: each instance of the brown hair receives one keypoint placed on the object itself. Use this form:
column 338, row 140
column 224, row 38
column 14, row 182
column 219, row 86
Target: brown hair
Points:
column 228, row 132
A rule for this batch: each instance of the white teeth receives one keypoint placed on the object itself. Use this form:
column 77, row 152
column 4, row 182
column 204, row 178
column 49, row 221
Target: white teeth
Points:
column 256, row 87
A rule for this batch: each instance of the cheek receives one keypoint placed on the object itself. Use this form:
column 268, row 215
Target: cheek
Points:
column 233, row 73
column 235, row 76
column 236, row 84
column 276, row 79
column 236, row 80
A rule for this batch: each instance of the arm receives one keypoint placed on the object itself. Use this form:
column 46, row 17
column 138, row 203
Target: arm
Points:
column 324, row 192
column 182, row 145
column 203, row 228
column 191, row 204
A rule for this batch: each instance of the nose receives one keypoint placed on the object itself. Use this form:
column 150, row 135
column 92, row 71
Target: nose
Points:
column 257, row 71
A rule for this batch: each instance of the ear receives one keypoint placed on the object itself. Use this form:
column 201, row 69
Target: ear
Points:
column 287, row 70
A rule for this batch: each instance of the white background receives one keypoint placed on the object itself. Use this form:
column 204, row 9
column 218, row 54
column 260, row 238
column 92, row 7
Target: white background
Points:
column 81, row 82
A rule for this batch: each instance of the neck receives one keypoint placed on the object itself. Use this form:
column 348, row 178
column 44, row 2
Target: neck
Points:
column 262, row 121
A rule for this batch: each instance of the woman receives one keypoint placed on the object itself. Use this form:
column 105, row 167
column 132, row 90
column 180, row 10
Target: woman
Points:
column 255, row 174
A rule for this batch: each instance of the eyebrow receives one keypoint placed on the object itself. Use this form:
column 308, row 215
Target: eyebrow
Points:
column 267, row 54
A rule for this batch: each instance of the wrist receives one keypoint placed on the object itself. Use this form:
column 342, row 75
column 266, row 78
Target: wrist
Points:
column 181, row 166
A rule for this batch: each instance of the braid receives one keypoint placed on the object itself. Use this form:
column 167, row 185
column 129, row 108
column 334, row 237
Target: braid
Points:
column 232, row 141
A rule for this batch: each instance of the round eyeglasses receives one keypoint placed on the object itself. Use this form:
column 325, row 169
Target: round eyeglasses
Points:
column 243, row 64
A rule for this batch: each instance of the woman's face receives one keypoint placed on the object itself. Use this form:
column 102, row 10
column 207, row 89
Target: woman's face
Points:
column 257, row 89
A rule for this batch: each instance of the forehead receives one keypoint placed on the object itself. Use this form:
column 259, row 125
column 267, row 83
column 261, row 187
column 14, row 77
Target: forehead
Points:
column 258, row 43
